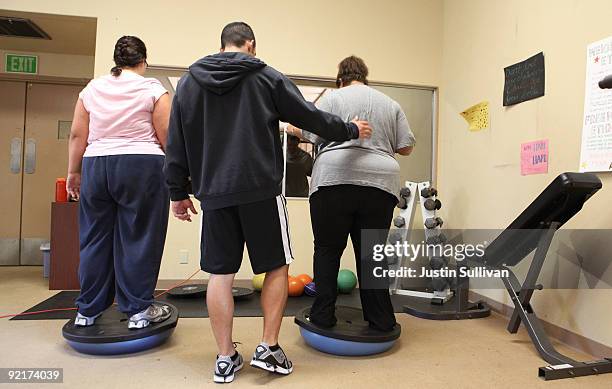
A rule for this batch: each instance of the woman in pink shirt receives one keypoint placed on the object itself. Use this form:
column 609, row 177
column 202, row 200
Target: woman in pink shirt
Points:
column 117, row 143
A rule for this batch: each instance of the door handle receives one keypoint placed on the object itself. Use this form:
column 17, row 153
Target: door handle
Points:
column 15, row 161
column 30, row 156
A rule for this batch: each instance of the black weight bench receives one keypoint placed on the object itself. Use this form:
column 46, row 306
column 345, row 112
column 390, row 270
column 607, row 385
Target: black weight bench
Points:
column 534, row 229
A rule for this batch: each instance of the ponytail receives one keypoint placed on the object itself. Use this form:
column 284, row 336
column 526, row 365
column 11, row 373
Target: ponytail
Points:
column 116, row 71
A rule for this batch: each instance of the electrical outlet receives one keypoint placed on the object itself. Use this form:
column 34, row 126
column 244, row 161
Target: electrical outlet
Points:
column 183, row 257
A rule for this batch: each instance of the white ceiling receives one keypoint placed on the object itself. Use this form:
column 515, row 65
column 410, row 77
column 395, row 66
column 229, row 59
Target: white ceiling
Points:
column 69, row 34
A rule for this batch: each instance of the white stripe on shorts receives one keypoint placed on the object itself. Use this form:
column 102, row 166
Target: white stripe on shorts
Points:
column 284, row 224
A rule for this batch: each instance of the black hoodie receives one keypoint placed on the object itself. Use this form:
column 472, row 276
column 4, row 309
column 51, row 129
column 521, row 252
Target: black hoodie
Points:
column 223, row 137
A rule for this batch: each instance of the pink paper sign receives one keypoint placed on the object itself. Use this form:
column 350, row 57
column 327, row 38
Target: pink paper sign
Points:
column 534, row 157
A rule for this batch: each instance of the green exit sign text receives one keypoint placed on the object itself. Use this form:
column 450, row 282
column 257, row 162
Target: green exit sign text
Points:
column 15, row 63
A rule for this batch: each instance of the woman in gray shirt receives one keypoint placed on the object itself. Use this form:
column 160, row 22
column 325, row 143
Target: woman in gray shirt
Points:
column 355, row 186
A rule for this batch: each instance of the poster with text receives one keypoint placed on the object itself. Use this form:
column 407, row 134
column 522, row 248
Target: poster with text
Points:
column 524, row 80
column 596, row 149
column 534, row 157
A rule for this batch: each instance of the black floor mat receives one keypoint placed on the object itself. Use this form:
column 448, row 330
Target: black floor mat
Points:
column 196, row 307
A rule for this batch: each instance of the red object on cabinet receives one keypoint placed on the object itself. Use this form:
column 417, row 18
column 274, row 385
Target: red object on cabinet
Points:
column 61, row 195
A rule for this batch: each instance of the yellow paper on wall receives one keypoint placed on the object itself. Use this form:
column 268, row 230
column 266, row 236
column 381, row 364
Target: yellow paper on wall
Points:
column 477, row 116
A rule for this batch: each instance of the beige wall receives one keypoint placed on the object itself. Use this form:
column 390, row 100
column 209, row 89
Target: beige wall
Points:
column 400, row 41
column 58, row 65
column 479, row 173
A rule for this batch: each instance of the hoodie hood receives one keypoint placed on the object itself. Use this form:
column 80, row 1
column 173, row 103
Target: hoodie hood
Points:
column 220, row 73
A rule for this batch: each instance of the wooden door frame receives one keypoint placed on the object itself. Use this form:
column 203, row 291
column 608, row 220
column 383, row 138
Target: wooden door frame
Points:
column 35, row 79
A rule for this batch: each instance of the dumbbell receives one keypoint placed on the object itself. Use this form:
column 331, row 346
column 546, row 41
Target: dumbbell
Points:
column 399, row 222
column 437, row 263
column 428, row 192
column 436, row 239
column 433, row 222
column 392, row 260
column 395, row 236
column 432, row 205
column 403, row 203
column 405, row 192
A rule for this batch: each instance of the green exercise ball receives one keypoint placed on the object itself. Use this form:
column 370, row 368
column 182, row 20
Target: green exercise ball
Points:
column 347, row 281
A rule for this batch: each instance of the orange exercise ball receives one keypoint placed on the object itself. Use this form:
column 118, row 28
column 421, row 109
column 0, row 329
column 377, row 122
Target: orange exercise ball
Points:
column 296, row 287
column 305, row 278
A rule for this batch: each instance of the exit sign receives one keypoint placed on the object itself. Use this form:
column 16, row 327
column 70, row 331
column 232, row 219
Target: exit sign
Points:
column 16, row 63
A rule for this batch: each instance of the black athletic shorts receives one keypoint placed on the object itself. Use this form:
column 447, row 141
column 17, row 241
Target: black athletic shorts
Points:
column 262, row 225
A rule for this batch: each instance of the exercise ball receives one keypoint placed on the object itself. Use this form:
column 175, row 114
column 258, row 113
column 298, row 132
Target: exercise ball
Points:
column 309, row 289
column 258, row 281
column 305, row 278
column 296, row 287
column 346, row 281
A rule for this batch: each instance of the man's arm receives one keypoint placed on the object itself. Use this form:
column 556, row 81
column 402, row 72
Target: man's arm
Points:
column 176, row 168
column 294, row 109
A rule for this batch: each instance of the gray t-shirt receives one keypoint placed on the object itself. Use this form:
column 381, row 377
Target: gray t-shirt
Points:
column 365, row 162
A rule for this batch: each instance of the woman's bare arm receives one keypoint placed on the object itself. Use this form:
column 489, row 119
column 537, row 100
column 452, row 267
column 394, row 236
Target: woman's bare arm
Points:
column 76, row 148
column 161, row 115
column 405, row 150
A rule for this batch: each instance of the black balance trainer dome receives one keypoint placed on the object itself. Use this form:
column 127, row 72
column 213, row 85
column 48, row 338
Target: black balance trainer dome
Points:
column 110, row 334
column 350, row 336
column 199, row 290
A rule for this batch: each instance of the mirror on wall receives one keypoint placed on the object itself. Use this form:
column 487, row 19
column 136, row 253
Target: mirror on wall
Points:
column 300, row 155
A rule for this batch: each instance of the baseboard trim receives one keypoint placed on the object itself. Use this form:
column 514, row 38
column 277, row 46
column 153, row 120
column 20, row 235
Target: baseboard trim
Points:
column 569, row 338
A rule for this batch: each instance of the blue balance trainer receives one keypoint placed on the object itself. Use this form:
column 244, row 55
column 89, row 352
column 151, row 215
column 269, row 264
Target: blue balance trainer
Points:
column 110, row 334
column 351, row 336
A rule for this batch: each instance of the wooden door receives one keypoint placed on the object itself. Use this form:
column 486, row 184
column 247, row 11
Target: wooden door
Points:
column 12, row 113
column 49, row 111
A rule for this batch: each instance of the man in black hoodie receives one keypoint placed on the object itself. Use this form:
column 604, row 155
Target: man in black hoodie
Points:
column 224, row 143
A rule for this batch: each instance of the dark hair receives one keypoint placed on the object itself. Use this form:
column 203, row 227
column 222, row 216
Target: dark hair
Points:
column 236, row 34
column 129, row 52
column 352, row 69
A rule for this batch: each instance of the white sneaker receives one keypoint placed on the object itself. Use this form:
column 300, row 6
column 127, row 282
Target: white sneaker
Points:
column 84, row 321
column 226, row 367
column 155, row 313
column 273, row 361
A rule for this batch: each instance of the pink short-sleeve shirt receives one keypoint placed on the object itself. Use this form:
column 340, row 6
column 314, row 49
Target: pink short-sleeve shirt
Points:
column 121, row 115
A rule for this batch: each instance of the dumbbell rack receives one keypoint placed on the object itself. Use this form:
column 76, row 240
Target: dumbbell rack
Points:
column 434, row 304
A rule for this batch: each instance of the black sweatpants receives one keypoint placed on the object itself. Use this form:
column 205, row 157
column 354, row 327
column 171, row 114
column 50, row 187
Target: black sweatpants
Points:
column 337, row 212
column 123, row 219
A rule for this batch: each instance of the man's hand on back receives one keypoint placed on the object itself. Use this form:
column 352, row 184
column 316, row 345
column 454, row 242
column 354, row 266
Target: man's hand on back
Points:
column 365, row 131
column 180, row 209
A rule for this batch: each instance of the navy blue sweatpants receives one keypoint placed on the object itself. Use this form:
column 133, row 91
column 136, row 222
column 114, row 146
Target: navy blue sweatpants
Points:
column 122, row 223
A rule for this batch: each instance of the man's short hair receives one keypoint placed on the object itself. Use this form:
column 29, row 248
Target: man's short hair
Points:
column 352, row 69
column 236, row 34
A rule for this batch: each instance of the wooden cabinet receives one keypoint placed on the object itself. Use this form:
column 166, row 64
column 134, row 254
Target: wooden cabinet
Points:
column 64, row 246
